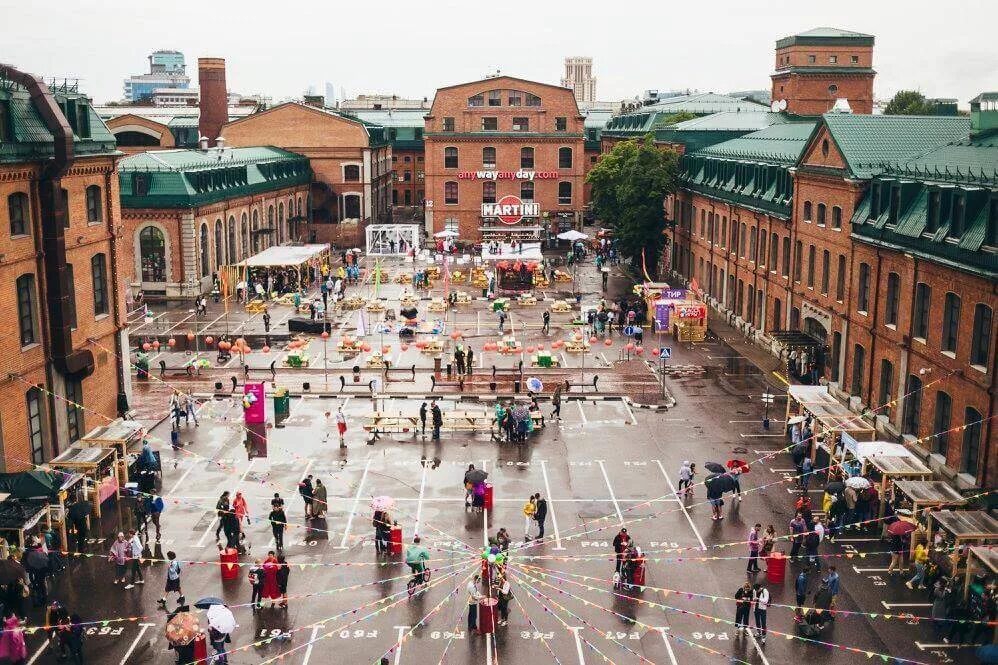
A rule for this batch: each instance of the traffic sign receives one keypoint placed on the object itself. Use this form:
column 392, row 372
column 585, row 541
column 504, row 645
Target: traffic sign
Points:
column 767, row 398
column 665, row 352
column 630, row 330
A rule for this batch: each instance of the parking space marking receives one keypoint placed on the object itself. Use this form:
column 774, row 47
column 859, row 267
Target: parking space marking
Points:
column 399, row 641
column 668, row 645
column 752, row 436
column 888, row 606
column 578, row 643
column 311, row 643
column 869, row 570
column 923, row 647
column 633, row 421
column 856, row 540
column 214, row 519
column 38, row 653
column 419, row 504
column 672, row 488
column 554, row 517
column 772, row 420
column 135, row 643
column 758, row 649
column 582, row 412
column 613, row 497
column 356, row 504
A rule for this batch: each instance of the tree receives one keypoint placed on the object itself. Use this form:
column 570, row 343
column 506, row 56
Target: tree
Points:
column 629, row 185
column 676, row 118
column 909, row 102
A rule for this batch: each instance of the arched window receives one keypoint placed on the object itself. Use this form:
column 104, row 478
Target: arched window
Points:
column 280, row 222
column 526, row 158
column 527, row 191
column 94, row 210
column 244, row 236
column 205, row 253
column 807, row 211
column 351, row 206
column 912, row 405
column 564, row 193
column 232, row 254
column 36, row 424
column 564, row 158
column 351, row 173
column 152, row 254
column 256, row 235
column 219, row 246
column 488, row 157
column 980, row 342
column 970, row 458
column 17, row 209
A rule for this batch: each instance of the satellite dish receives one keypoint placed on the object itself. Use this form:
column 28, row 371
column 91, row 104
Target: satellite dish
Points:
column 775, row 106
column 783, row 105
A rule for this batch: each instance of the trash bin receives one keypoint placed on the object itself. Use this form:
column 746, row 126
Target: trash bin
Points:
column 436, row 366
column 487, row 500
column 282, row 405
column 395, row 541
column 776, row 568
column 638, row 575
column 229, row 559
column 486, row 615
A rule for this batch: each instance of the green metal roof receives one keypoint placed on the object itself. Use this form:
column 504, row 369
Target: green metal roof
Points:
column 747, row 121
column 391, row 118
column 183, row 121
column 658, row 115
column 868, row 142
column 780, row 143
column 31, row 138
column 826, row 36
column 191, row 178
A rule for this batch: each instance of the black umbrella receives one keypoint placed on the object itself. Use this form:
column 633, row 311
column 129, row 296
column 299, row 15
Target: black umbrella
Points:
column 11, row 571
column 721, row 481
column 36, row 560
column 476, row 476
column 207, row 602
column 79, row 510
column 714, row 466
column 835, row 487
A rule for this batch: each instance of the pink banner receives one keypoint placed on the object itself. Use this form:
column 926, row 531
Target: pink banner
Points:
column 107, row 488
column 253, row 403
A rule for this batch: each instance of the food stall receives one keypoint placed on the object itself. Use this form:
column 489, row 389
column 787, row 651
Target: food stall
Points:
column 829, row 420
column 54, row 487
column 299, row 264
column 97, row 465
column 888, row 469
column 515, row 277
column 952, row 532
column 22, row 516
column 118, row 434
column 982, row 572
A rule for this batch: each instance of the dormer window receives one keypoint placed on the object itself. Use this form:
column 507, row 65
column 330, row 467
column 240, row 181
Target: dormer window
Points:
column 991, row 234
column 932, row 214
column 895, row 209
column 4, row 121
column 957, row 223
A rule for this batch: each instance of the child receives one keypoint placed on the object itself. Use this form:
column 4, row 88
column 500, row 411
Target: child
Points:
column 172, row 577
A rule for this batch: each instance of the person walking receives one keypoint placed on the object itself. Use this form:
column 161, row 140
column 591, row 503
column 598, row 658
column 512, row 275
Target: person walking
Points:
column 190, row 404
column 135, row 559
column 278, row 523
column 341, row 426
column 761, row 600
column 74, row 639
column 800, row 587
column 240, row 509
column 919, row 560
column 474, row 595
column 715, row 494
column 621, row 543
column 502, row 321
column 218, row 640
column 529, row 512
column 504, row 594
column 755, row 545
column 469, row 360
column 833, row 582
column 271, row 590
column 469, row 487
column 743, row 606
column 422, row 416
column 546, row 322
column 283, row 572
column 556, row 403
column 305, row 490
column 256, row 585
column 797, row 528
column 12, row 646
column 807, row 470
column 172, row 578
column 119, row 557
column 382, row 526
column 438, row 419
column 222, row 508
column 459, row 360
column 541, row 515
column 320, row 499
column 686, row 473
column 811, row 541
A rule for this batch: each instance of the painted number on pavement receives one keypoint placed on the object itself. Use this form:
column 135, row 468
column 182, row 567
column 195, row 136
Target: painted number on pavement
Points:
column 617, row 635
column 877, row 580
column 105, row 630
column 447, row 635
column 663, row 544
column 595, row 543
column 535, row 635
column 709, row 636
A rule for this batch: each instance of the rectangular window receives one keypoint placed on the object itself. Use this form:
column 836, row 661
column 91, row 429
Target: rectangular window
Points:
column 450, row 192
column 533, row 100
column 94, row 211
column 836, row 217
column 920, row 315
column 526, row 158
column 477, row 100
column 515, row 98
column 832, row 59
column 807, row 211
column 724, row 232
column 762, row 247
column 495, row 97
column 893, row 294
column 858, row 362
column 810, row 267
column 74, row 409
column 26, row 308
column 17, row 209
column 826, row 259
column 521, row 124
column 561, row 124
column 490, row 124
column 450, row 158
column 448, row 124
column 526, row 191
column 35, row 425
column 972, row 423
column 774, row 252
column 981, row 341
column 840, row 279
column 863, row 301
column 798, row 260
column 886, row 385
column 912, row 407
column 489, row 191
column 786, row 257
column 98, row 268
column 854, row 59
column 564, row 193
column 951, row 322
column 488, row 158
column 811, row 59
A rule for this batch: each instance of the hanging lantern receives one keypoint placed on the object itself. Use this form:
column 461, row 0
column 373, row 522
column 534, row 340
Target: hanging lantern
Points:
column 190, row 337
column 146, row 346
column 209, row 340
column 155, row 344
column 266, row 349
column 593, row 339
column 385, row 350
column 608, row 342
column 325, row 336
column 629, row 347
column 405, row 347
column 530, row 349
column 171, row 342
column 655, row 352
column 639, row 350
column 455, row 335
column 577, row 337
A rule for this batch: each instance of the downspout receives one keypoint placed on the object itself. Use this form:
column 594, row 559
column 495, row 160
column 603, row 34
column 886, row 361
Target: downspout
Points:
column 871, row 292
column 989, row 428
column 115, row 284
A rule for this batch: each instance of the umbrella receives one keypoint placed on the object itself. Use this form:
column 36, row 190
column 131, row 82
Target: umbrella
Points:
column 207, row 602
column 857, row 483
column 714, row 466
column 901, row 528
column 79, row 510
column 535, row 385
column 11, row 571
column 722, row 480
column 357, row 249
column 476, row 476
column 572, row 235
column 446, row 234
column 795, row 420
column 220, row 618
column 382, row 502
column 741, row 465
column 836, row 487
column 182, row 629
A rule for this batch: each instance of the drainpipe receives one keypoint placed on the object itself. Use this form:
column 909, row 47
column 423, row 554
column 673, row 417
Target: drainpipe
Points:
column 872, row 292
column 114, row 285
column 989, row 424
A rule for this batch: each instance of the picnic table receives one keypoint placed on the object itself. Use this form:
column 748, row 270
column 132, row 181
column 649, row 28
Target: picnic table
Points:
column 376, row 305
column 561, row 307
column 544, row 359
column 437, row 305
column 382, row 421
column 526, row 299
column 573, row 346
column 375, row 360
column 432, row 346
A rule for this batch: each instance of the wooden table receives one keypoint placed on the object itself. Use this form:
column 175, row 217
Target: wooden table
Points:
column 375, row 360
column 382, row 421
column 437, row 305
column 526, row 299
column 561, row 307
column 535, row 361
column 433, row 346
column 375, row 306
column 576, row 347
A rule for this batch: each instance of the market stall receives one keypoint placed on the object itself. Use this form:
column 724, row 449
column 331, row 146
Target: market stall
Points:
column 953, row 532
column 516, row 277
column 888, row 469
column 829, row 420
column 982, row 572
column 921, row 496
column 22, row 517
column 393, row 239
column 289, row 267
column 98, row 466
column 119, row 435
column 53, row 487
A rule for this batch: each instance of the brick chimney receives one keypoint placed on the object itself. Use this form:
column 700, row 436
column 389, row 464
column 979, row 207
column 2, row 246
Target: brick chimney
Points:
column 214, row 103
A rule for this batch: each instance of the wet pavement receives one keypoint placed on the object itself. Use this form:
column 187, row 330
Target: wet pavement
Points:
column 605, row 464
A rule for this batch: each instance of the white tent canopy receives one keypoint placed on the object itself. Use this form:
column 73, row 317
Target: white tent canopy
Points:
column 572, row 235
column 528, row 251
column 285, row 255
column 392, row 239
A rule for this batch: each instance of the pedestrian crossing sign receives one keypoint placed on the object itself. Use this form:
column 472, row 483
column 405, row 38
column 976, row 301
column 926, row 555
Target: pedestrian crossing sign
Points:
column 665, row 352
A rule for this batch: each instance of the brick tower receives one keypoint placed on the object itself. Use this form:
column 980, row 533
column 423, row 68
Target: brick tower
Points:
column 214, row 98
column 817, row 67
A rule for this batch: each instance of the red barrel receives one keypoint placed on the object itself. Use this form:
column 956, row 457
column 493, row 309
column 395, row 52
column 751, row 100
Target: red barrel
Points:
column 229, row 559
column 776, row 568
column 201, row 649
column 486, row 615
column 638, row 574
column 488, row 496
column 395, row 544
column 485, row 569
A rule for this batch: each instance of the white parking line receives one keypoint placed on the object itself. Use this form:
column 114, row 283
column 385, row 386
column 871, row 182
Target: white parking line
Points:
column 398, row 649
column 242, row 478
column 135, row 643
column 752, row 436
column 856, row 540
column 921, row 647
column 40, row 651
column 772, row 420
column 581, row 412
column 888, row 606
column 869, row 570
column 578, row 643
column 633, row 421
column 419, row 505
column 682, row 505
column 356, row 503
column 758, row 649
column 668, row 645
column 554, row 517
column 613, row 497
column 311, row 643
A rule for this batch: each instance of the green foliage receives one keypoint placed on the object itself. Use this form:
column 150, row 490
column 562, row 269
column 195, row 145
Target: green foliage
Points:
column 629, row 185
column 677, row 118
column 909, row 102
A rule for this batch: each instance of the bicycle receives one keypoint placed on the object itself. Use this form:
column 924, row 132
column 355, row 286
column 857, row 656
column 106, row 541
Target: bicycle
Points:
column 419, row 579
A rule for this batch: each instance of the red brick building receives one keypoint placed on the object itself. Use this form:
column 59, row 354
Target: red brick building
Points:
column 60, row 245
column 508, row 142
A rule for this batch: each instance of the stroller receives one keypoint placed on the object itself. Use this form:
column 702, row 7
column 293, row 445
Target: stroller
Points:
column 810, row 623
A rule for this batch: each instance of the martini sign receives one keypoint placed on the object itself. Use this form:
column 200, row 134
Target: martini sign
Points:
column 510, row 209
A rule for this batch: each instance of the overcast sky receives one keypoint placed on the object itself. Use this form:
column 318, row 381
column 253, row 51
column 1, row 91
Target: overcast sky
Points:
column 280, row 47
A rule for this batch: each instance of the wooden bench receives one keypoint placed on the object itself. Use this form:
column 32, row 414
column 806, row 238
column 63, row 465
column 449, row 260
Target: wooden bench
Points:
column 459, row 384
column 367, row 387
column 584, row 385
column 389, row 369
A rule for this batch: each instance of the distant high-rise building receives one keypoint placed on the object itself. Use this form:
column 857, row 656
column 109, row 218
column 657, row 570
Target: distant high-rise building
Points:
column 167, row 69
column 330, row 94
column 579, row 77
